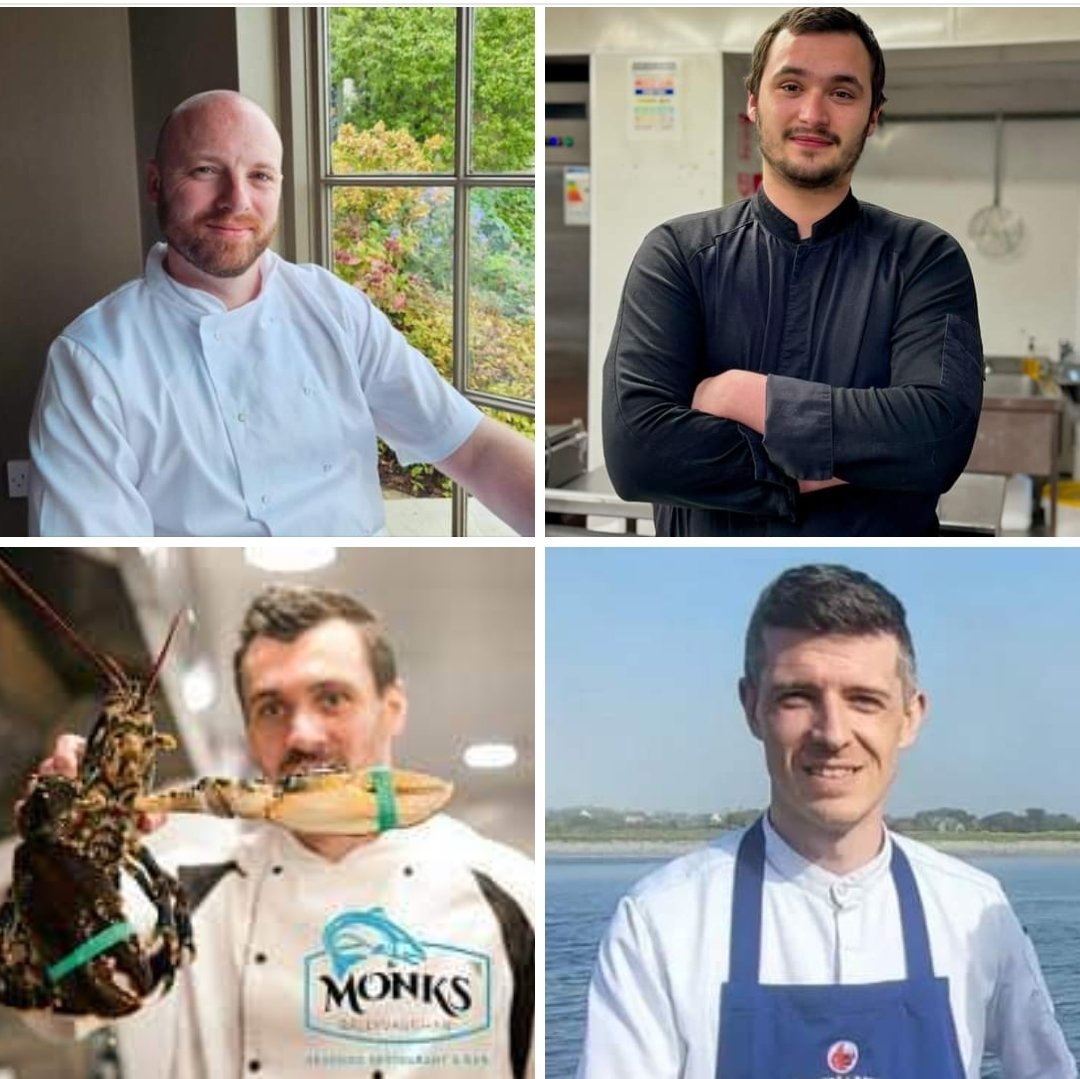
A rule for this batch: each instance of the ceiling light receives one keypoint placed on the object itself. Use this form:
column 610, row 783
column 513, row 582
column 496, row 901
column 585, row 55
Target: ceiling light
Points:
column 490, row 755
column 288, row 557
column 198, row 687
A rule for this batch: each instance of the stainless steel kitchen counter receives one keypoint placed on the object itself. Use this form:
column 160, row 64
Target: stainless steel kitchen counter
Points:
column 972, row 507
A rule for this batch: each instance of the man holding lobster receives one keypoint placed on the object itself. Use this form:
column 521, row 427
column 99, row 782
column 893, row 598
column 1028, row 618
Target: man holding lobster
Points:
column 405, row 951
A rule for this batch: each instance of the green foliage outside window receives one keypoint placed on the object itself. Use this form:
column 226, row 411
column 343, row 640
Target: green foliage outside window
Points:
column 392, row 89
column 396, row 65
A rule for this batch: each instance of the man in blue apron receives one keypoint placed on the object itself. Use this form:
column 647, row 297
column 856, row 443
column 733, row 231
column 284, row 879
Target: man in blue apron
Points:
column 817, row 944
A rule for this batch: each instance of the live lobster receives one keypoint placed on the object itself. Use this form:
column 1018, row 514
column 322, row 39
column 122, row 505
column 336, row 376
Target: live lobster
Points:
column 65, row 942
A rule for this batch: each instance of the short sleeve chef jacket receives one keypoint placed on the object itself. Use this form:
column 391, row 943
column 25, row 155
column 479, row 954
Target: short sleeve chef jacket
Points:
column 654, row 999
column 246, row 1004
column 161, row 412
column 868, row 333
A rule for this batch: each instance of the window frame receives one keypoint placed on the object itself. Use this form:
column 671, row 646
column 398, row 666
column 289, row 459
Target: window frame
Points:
column 461, row 180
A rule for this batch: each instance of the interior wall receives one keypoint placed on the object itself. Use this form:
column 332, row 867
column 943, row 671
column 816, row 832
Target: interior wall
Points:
column 943, row 172
column 68, row 194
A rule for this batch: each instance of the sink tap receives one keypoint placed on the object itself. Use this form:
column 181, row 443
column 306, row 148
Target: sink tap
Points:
column 1066, row 352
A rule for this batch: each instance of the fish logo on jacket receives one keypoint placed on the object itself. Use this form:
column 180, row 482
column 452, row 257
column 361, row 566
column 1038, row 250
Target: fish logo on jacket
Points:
column 357, row 935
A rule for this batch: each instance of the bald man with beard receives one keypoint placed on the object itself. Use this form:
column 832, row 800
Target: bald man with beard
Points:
column 228, row 392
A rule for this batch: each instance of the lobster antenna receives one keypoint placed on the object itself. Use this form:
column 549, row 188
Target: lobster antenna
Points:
column 112, row 670
column 152, row 680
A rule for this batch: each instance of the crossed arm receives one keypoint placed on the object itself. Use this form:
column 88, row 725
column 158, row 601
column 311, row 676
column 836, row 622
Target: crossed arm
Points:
column 749, row 442
column 742, row 396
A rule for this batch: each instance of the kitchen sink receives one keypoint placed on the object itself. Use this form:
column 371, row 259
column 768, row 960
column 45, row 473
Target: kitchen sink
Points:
column 1010, row 385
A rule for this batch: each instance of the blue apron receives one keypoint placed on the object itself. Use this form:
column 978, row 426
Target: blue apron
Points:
column 885, row 1030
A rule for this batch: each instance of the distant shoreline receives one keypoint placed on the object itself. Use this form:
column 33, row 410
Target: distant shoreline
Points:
column 671, row 848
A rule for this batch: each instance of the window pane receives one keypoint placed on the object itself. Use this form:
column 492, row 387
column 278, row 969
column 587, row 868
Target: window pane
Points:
column 395, row 245
column 502, row 322
column 392, row 81
column 503, row 92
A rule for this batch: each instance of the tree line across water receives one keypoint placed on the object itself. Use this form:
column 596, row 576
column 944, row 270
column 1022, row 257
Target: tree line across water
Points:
column 594, row 822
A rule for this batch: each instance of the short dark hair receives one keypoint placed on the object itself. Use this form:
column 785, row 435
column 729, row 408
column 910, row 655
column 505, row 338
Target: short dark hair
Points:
column 821, row 20
column 827, row 599
column 283, row 612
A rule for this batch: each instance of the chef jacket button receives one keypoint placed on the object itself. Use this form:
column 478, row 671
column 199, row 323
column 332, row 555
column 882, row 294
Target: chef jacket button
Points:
column 277, row 870
column 242, row 417
column 845, row 895
column 264, row 499
column 408, row 871
column 307, row 391
column 217, row 336
column 376, row 1075
column 254, row 1066
column 260, row 957
column 327, row 467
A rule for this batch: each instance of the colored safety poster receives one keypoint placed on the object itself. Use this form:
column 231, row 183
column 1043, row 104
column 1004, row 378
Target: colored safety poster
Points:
column 576, row 195
column 655, row 99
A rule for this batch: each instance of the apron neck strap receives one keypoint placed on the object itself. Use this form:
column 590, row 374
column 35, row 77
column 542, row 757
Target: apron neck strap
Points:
column 912, row 917
column 744, row 962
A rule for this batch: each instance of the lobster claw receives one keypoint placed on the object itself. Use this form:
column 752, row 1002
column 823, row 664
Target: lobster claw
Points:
column 72, row 902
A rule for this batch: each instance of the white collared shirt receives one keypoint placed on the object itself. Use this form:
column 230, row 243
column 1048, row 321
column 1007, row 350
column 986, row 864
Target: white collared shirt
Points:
column 654, row 1002
column 161, row 412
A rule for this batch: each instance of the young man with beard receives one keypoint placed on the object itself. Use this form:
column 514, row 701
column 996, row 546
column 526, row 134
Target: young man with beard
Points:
column 230, row 393
column 797, row 363
column 319, row 687
column 817, row 943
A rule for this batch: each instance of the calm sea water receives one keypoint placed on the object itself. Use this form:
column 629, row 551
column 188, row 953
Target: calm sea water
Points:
column 582, row 895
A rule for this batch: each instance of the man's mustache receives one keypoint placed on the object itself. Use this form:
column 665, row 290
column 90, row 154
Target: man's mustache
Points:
column 794, row 133
column 231, row 222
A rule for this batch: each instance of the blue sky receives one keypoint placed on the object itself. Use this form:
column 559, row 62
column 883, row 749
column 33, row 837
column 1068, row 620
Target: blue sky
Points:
column 644, row 650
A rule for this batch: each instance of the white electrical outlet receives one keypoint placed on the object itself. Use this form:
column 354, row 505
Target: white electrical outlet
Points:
column 18, row 479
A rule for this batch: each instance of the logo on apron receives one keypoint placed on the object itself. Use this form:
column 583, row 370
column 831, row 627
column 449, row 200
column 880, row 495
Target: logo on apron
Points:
column 842, row 1057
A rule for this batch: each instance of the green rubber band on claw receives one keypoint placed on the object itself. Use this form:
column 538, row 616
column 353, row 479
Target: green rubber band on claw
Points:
column 385, row 802
column 89, row 950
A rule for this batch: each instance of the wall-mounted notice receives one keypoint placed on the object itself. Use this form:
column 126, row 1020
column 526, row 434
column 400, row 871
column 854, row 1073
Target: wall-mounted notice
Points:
column 576, row 195
column 655, row 110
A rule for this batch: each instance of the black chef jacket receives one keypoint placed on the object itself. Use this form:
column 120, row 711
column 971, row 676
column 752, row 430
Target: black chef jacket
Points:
column 868, row 332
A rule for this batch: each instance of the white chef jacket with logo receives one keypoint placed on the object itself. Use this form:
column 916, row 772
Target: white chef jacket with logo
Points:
column 161, row 412
column 240, row 1009
column 654, row 1001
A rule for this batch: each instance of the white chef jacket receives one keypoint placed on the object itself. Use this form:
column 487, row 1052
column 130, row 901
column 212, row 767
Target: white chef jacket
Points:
column 161, row 412
column 654, row 1002
column 242, row 1000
